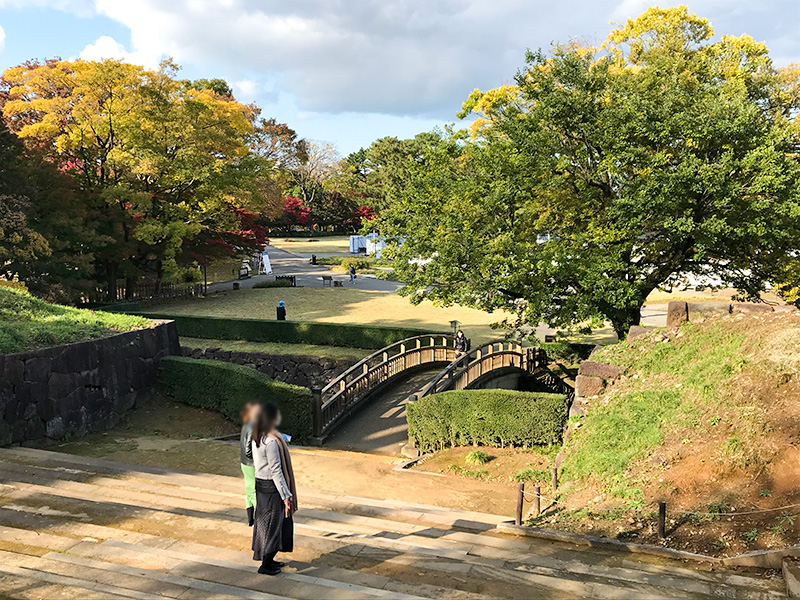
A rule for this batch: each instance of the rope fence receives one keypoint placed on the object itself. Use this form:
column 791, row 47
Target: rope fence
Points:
column 536, row 499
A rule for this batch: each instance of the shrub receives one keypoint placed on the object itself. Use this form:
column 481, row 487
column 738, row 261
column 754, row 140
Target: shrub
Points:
column 360, row 263
column 567, row 352
column 488, row 417
column 289, row 332
column 277, row 283
column 476, row 457
column 226, row 387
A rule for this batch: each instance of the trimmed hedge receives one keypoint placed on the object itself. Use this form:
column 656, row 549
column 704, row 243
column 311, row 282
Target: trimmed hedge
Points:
column 569, row 352
column 288, row 332
column 495, row 418
column 226, row 387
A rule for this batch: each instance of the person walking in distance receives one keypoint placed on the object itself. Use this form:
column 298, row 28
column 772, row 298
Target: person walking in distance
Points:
column 281, row 311
column 462, row 345
column 352, row 270
column 276, row 493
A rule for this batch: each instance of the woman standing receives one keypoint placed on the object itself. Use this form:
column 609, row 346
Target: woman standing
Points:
column 276, row 495
column 281, row 311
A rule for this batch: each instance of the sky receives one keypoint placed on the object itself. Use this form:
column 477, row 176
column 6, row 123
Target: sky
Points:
column 350, row 71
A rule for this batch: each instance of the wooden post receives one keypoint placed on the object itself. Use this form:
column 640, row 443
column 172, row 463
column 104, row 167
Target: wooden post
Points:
column 662, row 519
column 555, row 479
column 520, row 500
column 537, row 497
column 316, row 410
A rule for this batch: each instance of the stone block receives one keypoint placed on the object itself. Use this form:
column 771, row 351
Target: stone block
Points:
column 702, row 310
column 13, row 370
column 55, row 428
column 677, row 314
column 60, row 385
column 791, row 575
column 586, row 386
column 5, row 434
column 751, row 308
column 637, row 331
column 37, row 369
column 604, row 371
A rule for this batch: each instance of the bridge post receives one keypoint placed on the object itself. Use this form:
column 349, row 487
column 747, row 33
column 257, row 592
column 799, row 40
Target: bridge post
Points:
column 316, row 415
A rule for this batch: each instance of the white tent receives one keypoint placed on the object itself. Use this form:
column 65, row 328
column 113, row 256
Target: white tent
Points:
column 358, row 243
column 375, row 244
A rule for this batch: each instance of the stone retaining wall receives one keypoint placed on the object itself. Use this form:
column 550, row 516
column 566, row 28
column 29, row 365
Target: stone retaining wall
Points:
column 74, row 389
column 681, row 312
column 308, row 371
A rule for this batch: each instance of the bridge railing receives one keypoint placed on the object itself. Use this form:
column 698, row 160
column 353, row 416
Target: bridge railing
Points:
column 336, row 400
column 473, row 365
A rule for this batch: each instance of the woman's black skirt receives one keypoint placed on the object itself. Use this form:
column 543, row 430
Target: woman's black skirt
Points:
column 272, row 531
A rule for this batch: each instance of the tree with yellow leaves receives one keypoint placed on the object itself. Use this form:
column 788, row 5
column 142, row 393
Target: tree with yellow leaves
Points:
column 159, row 159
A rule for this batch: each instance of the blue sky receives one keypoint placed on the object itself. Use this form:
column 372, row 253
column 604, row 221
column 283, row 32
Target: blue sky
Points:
column 350, row 71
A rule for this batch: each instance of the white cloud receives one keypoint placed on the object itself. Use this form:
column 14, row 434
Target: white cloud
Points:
column 399, row 57
column 245, row 90
column 2, row 39
column 104, row 47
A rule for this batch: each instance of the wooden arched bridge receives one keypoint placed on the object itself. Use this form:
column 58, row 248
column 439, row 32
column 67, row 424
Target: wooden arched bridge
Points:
column 376, row 375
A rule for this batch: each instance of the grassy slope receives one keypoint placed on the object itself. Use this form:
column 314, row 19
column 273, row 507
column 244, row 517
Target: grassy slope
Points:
column 278, row 348
column 705, row 420
column 27, row 322
column 337, row 305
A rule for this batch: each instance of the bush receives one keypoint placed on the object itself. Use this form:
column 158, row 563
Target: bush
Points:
column 226, row 387
column 360, row 263
column 277, row 283
column 476, row 457
column 567, row 352
column 289, row 332
column 495, row 418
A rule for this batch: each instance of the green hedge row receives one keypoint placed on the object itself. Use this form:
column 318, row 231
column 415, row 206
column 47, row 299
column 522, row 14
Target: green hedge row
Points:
column 495, row 418
column 570, row 353
column 289, row 332
column 226, row 387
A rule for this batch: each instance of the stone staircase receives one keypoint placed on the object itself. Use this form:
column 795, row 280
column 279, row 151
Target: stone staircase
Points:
column 76, row 527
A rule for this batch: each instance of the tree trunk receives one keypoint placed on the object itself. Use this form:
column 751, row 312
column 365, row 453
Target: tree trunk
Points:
column 130, row 283
column 111, row 278
column 624, row 319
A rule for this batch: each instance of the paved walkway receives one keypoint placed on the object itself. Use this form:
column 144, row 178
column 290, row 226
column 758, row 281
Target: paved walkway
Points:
column 308, row 275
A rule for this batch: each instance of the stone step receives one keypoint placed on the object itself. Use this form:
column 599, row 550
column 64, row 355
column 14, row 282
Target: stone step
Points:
column 119, row 576
column 339, row 530
column 26, row 587
column 228, row 490
column 93, row 589
column 289, row 584
column 389, row 531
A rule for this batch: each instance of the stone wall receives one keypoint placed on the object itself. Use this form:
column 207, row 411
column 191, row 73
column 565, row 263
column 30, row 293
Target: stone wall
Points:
column 682, row 312
column 78, row 388
column 308, row 371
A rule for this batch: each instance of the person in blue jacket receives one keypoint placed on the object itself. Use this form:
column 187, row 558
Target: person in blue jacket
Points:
column 281, row 311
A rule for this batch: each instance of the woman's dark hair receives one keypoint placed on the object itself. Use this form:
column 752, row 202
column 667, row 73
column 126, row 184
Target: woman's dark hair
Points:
column 265, row 422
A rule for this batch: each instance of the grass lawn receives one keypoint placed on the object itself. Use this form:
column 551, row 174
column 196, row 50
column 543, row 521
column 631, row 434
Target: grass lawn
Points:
column 278, row 348
column 313, row 245
column 337, row 305
column 722, row 295
column 27, row 322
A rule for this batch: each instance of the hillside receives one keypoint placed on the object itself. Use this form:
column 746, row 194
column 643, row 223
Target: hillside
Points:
column 27, row 322
column 707, row 419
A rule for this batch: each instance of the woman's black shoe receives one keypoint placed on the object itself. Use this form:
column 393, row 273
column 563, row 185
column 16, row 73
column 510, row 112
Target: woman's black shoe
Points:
column 278, row 564
column 250, row 515
column 269, row 570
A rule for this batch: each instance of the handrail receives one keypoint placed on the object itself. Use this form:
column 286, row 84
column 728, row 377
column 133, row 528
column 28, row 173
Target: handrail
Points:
column 333, row 402
column 462, row 365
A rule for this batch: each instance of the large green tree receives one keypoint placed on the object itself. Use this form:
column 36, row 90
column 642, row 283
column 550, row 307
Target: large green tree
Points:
column 603, row 174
